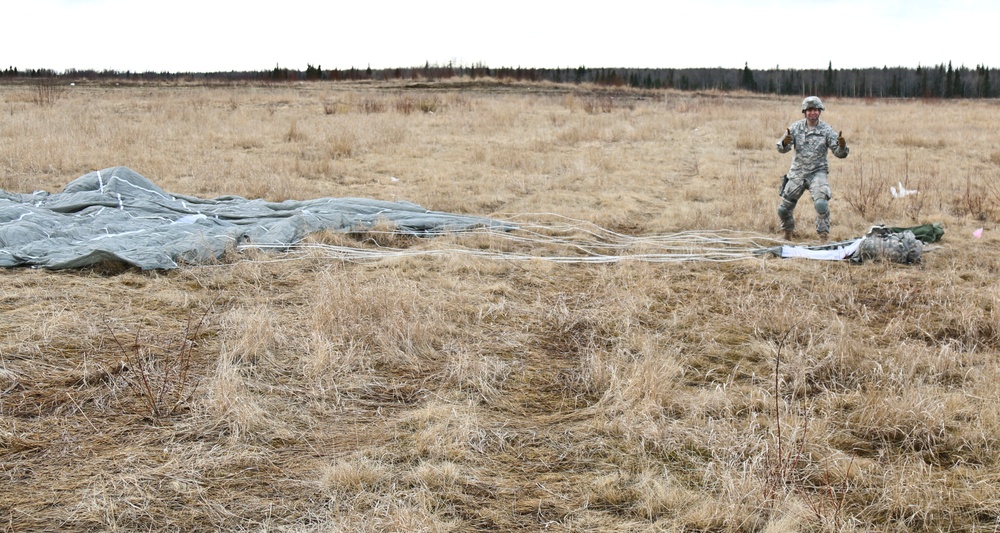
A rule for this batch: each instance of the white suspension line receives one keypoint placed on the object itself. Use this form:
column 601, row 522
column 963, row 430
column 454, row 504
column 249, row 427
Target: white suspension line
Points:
column 594, row 244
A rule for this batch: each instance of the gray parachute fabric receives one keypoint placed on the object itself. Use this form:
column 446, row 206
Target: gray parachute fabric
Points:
column 117, row 215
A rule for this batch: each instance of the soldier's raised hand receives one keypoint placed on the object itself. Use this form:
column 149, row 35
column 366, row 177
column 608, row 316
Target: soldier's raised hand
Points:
column 840, row 140
column 788, row 137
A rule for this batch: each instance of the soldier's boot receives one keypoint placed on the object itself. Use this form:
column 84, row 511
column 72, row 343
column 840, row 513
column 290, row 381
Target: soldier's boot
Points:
column 823, row 237
column 788, row 234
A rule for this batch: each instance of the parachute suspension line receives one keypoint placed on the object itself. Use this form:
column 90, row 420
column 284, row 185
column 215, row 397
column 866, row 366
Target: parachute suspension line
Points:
column 564, row 241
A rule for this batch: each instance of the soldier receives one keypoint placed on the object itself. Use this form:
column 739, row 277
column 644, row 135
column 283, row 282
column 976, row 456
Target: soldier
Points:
column 811, row 138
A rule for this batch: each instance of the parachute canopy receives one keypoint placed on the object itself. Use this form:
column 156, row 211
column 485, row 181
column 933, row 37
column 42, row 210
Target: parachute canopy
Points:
column 117, row 215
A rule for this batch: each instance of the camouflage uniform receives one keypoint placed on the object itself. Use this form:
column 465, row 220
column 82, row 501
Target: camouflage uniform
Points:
column 885, row 244
column 809, row 170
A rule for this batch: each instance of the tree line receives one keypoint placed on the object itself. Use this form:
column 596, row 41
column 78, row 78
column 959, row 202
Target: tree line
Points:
column 938, row 81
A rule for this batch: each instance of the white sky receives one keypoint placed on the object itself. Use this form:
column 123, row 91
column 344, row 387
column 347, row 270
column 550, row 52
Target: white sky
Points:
column 223, row 35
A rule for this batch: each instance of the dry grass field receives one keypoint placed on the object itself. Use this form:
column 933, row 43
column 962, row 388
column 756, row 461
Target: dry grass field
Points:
column 430, row 389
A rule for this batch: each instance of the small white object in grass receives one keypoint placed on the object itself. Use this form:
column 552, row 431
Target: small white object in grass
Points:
column 902, row 192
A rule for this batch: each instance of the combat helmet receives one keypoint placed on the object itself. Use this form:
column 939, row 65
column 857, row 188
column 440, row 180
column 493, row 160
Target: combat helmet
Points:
column 812, row 102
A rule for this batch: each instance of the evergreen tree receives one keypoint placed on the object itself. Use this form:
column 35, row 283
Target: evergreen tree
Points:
column 957, row 87
column 937, row 89
column 949, row 83
column 748, row 82
column 829, row 85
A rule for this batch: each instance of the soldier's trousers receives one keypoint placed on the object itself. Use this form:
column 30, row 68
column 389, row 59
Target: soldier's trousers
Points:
column 819, row 189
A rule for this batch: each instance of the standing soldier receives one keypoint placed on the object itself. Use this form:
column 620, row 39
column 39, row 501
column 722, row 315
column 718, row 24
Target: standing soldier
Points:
column 811, row 138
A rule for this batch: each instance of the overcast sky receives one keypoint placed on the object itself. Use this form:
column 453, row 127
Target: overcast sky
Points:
column 223, row 35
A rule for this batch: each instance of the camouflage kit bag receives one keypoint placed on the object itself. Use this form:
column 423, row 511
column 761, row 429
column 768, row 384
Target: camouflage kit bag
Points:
column 925, row 233
column 882, row 243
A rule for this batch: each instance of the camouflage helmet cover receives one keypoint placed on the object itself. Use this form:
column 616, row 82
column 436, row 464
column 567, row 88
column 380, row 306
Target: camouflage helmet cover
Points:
column 812, row 102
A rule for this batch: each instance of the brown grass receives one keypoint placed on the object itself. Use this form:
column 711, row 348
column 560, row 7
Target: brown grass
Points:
column 450, row 392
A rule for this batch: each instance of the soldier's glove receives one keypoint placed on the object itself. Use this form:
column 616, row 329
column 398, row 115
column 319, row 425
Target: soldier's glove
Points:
column 840, row 140
column 788, row 137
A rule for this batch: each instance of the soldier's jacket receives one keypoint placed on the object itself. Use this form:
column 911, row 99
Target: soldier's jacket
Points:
column 810, row 148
